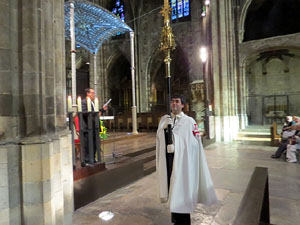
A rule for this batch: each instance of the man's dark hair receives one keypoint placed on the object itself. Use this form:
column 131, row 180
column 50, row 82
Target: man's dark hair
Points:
column 182, row 99
column 87, row 90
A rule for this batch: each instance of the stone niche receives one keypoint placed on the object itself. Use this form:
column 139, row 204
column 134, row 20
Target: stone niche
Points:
column 198, row 98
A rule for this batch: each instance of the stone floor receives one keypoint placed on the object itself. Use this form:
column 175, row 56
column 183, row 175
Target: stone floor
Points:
column 231, row 166
column 126, row 146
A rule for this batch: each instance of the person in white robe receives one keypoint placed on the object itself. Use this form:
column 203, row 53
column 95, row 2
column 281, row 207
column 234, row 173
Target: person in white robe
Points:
column 189, row 181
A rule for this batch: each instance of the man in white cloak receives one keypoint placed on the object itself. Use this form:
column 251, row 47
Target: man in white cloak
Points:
column 183, row 174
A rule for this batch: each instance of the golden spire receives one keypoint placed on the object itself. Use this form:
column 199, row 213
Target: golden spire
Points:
column 167, row 42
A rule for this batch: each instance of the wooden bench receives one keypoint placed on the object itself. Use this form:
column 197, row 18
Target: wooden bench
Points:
column 275, row 137
column 254, row 208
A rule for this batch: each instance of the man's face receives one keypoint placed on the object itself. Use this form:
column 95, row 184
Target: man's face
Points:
column 91, row 94
column 176, row 105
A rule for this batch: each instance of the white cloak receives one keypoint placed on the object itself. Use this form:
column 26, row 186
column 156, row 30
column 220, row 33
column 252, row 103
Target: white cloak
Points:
column 190, row 180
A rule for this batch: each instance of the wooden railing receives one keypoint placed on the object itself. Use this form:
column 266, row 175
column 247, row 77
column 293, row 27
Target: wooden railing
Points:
column 275, row 138
column 146, row 121
column 254, row 207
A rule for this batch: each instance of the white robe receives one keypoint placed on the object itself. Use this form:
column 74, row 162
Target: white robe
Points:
column 190, row 180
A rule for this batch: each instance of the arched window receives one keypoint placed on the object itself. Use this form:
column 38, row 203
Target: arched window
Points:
column 180, row 10
column 118, row 10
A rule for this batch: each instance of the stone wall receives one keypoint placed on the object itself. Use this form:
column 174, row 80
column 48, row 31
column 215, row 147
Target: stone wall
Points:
column 36, row 185
column 36, row 179
column 276, row 77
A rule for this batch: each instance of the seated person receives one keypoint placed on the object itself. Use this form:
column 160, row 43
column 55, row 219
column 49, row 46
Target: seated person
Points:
column 288, row 123
column 295, row 126
column 286, row 134
column 294, row 144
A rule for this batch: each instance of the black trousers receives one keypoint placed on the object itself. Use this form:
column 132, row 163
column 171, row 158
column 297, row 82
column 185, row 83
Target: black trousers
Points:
column 181, row 218
column 176, row 218
column 86, row 146
column 281, row 148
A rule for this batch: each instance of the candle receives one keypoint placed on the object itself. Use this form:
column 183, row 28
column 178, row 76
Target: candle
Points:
column 96, row 104
column 89, row 105
column 79, row 104
column 69, row 104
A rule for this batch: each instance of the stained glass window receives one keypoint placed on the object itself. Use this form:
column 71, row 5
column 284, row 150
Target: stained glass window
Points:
column 118, row 10
column 180, row 9
column 186, row 10
column 174, row 9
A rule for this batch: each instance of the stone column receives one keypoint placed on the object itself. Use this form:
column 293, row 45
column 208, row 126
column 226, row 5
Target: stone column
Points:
column 225, row 89
column 36, row 179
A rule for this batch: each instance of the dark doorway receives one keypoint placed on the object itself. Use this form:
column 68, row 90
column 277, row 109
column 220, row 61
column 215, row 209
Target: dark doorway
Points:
column 119, row 83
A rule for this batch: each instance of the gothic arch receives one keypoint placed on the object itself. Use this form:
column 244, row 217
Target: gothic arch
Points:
column 155, row 73
column 243, row 19
column 119, row 82
column 262, row 79
column 112, row 59
column 153, row 65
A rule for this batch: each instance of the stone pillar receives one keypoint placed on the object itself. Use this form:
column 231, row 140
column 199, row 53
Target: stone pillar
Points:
column 36, row 179
column 225, row 85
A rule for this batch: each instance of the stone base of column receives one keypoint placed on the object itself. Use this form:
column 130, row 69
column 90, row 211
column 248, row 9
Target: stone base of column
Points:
column 134, row 120
column 227, row 128
column 36, row 181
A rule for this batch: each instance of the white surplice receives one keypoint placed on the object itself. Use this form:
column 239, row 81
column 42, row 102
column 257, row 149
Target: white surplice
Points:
column 190, row 181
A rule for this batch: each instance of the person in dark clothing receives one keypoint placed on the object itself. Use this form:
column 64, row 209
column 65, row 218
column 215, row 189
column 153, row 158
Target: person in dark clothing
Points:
column 90, row 93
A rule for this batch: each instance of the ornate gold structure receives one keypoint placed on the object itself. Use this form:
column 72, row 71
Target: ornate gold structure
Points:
column 167, row 42
column 166, row 45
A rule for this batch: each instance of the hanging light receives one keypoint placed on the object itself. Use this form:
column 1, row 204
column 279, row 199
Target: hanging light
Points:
column 207, row 2
column 203, row 54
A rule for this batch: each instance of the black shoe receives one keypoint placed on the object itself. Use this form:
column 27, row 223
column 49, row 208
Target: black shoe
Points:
column 275, row 156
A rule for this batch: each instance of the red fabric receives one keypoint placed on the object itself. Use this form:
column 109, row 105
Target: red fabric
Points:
column 76, row 121
column 196, row 131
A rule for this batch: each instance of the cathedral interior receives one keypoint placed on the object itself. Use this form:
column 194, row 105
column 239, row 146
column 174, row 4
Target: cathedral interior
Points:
column 248, row 80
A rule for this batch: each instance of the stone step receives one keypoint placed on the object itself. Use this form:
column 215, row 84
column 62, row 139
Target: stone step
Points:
column 149, row 167
column 254, row 134
column 120, row 136
column 253, row 142
column 146, row 157
column 140, row 152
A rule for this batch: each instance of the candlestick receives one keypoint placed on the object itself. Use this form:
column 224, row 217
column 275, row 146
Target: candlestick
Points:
column 70, row 104
column 89, row 105
column 96, row 104
column 79, row 104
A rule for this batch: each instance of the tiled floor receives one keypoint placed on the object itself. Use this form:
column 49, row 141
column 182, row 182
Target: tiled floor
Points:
column 231, row 166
